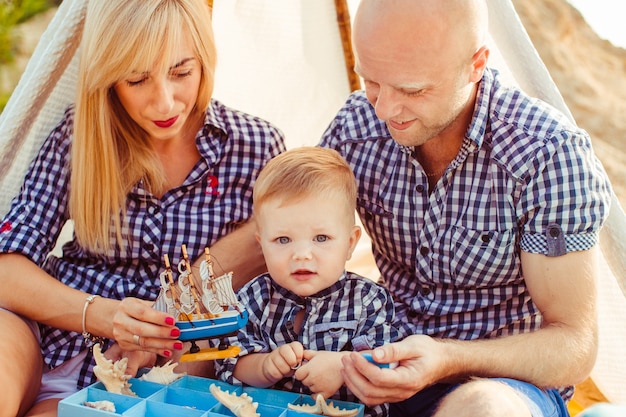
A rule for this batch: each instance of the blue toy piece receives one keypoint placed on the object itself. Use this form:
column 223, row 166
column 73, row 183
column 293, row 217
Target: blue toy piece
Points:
column 370, row 359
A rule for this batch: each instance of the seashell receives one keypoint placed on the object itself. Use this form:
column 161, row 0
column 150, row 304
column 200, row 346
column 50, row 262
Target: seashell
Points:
column 240, row 405
column 103, row 405
column 321, row 407
column 112, row 375
column 164, row 375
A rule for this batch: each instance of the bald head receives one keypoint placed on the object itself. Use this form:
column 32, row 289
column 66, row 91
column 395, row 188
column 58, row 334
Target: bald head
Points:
column 421, row 62
column 428, row 25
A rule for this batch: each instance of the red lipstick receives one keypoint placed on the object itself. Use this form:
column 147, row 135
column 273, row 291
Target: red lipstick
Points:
column 165, row 123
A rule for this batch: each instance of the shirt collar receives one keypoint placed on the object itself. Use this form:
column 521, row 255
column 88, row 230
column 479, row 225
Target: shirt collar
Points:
column 213, row 133
column 212, row 116
column 478, row 127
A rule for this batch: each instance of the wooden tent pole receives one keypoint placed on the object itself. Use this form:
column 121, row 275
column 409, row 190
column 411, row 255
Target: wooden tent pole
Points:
column 344, row 24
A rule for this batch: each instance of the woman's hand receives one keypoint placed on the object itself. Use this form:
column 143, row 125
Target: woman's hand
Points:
column 137, row 326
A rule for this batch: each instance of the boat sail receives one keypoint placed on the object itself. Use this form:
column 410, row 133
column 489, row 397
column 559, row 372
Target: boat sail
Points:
column 203, row 310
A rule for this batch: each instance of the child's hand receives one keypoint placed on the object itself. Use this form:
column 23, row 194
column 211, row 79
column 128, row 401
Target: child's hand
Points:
column 282, row 361
column 322, row 372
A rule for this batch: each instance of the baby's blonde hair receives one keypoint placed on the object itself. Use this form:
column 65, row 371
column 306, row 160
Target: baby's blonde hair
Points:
column 110, row 152
column 302, row 172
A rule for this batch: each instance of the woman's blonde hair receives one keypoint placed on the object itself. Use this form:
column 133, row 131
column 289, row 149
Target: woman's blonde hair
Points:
column 305, row 171
column 110, row 152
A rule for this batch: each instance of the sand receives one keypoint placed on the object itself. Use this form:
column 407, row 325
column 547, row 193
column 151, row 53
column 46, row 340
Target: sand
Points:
column 591, row 75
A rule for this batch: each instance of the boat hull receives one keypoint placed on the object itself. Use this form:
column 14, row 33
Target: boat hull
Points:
column 227, row 322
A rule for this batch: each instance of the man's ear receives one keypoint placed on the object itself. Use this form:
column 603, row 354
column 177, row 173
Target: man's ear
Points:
column 479, row 63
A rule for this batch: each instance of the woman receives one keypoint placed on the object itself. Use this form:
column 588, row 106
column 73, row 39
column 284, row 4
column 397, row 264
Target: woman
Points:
column 144, row 162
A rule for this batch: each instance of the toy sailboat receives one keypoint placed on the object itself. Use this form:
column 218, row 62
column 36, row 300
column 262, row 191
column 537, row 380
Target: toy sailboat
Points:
column 203, row 310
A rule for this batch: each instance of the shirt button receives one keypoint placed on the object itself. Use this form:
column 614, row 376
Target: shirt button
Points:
column 485, row 238
column 555, row 232
column 412, row 314
column 424, row 250
column 153, row 209
column 419, row 188
column 425, row 290
column 289, row 325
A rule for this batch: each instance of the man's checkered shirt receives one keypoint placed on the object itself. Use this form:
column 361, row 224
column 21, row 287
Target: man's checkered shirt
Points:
column 451, row 257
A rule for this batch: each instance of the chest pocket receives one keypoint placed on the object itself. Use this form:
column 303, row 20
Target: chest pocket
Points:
column 335, row 335
column 483, row 258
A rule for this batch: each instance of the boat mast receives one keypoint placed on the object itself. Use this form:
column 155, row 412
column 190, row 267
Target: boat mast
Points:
column 192, row 286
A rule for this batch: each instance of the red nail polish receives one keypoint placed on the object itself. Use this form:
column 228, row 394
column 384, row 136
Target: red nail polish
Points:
column 169, row 321
column 178, row 345
column 175, row 332
column 167, row 353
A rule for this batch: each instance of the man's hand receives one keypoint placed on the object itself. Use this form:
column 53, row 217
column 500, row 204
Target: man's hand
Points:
column 420, row 363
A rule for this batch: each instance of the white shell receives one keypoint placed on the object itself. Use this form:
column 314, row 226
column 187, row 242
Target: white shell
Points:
column 240, row 405
column 112, row 375
column 321, row 407
column 162, row 374
column 103, row 405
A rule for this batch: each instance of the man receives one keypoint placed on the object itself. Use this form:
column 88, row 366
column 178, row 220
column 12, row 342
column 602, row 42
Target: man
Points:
column 484, row 208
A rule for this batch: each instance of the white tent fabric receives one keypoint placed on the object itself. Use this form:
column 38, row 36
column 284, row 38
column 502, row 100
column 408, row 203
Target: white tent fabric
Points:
column 295, row 77
column 45, row 89
column 282, row 60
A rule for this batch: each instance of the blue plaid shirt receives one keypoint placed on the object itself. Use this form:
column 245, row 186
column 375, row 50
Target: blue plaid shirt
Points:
column 525, row 178
column 215, row 198
column 354, row 313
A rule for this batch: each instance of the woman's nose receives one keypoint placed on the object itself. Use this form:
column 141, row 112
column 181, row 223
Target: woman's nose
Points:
column 163, row 97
